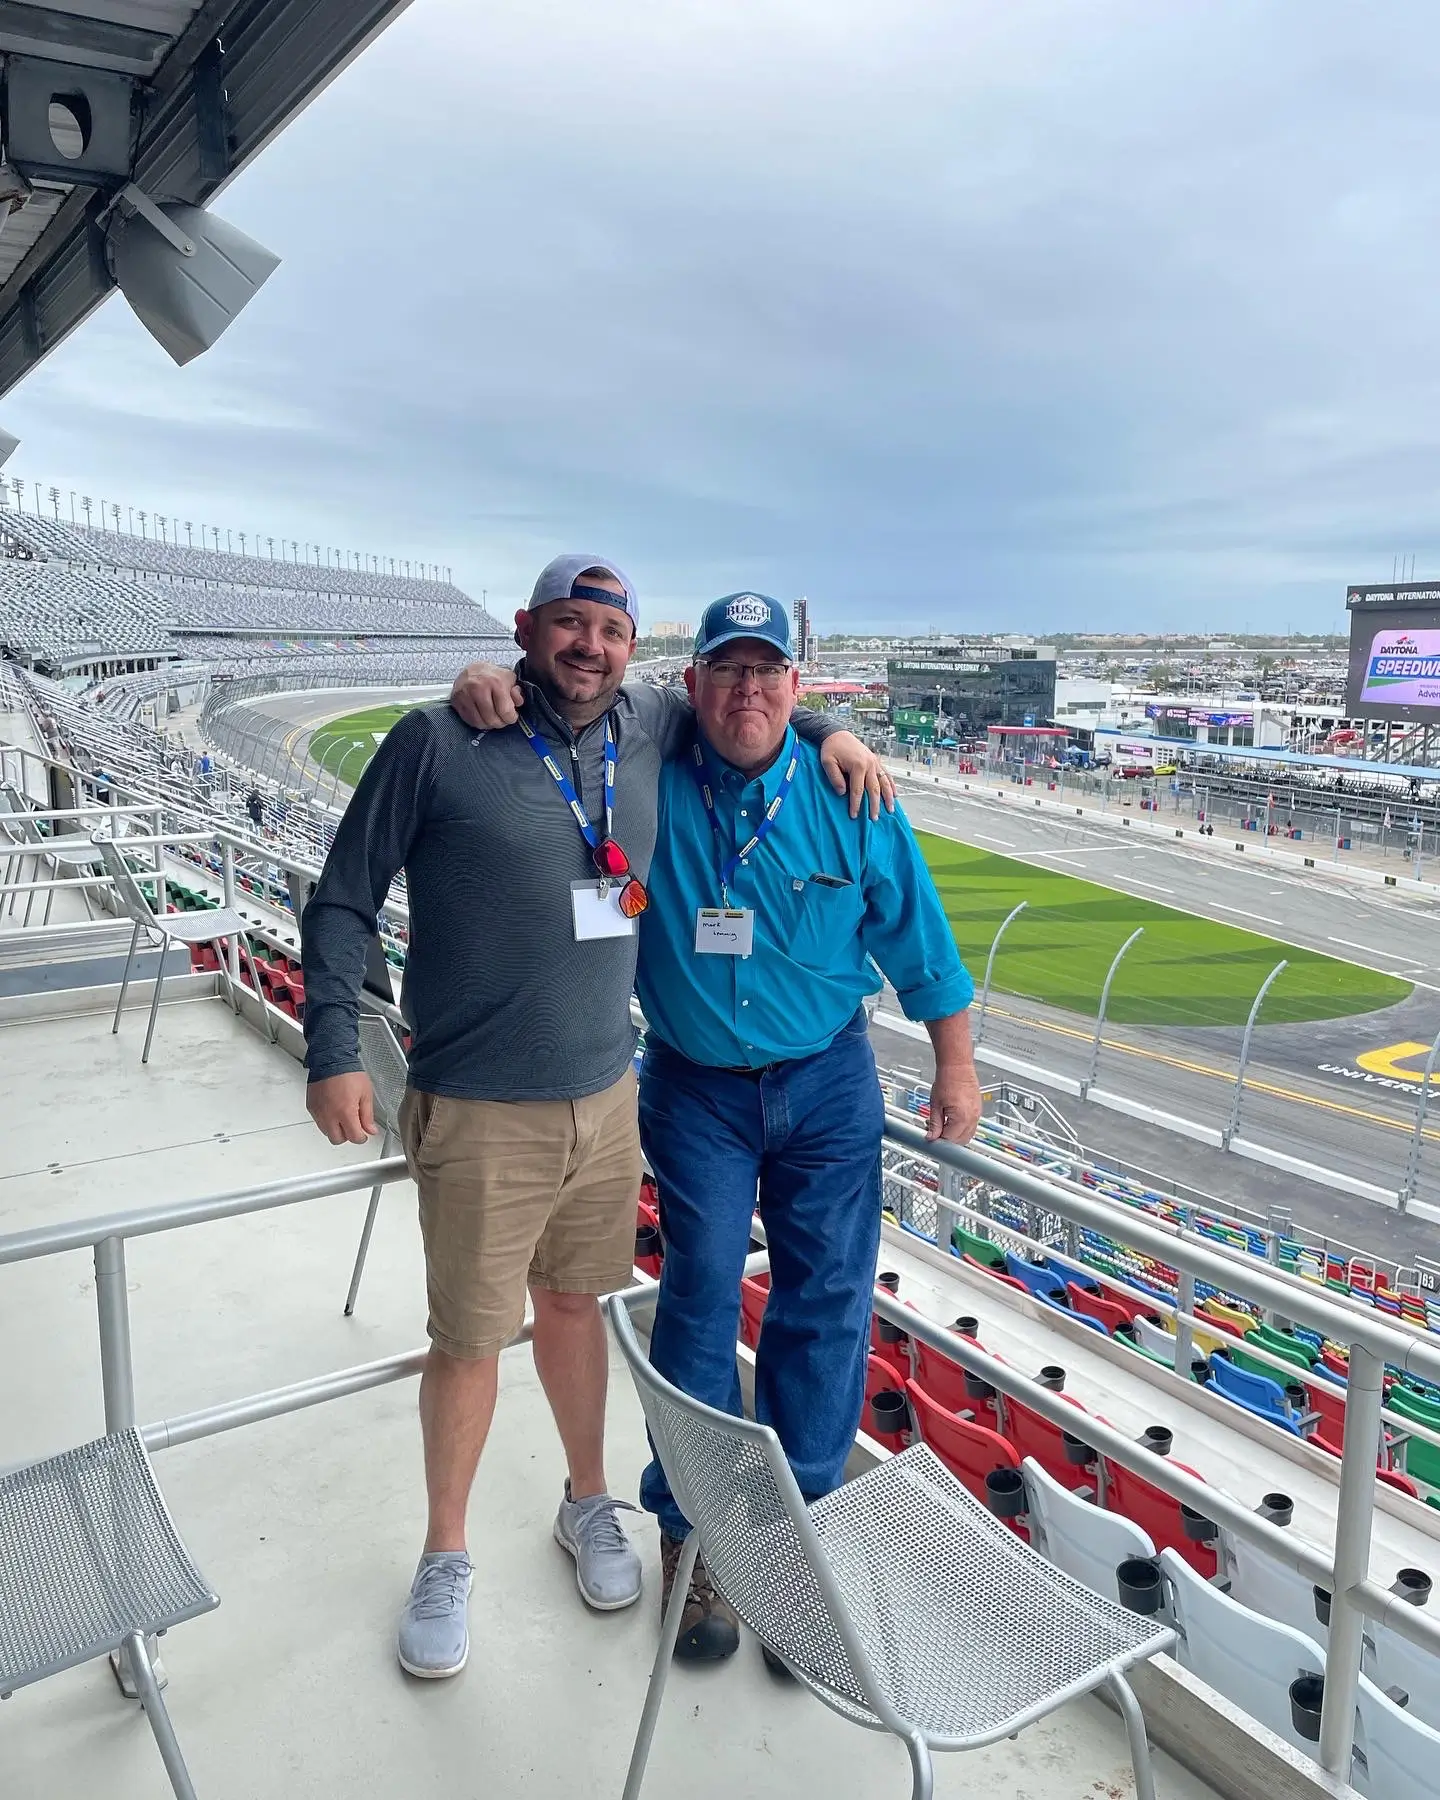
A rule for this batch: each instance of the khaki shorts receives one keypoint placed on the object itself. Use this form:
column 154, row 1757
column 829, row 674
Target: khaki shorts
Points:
column 514, row 1192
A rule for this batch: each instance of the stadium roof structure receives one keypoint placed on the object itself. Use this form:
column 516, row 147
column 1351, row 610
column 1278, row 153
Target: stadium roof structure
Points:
column 204, row 85
column 1291, row 759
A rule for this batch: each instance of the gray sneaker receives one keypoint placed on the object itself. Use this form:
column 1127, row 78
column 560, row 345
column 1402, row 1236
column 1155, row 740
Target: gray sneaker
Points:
column 607, row 1566
column 434, row 1639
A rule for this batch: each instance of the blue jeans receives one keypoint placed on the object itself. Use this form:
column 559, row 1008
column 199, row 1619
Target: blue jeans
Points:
column 808, row 1135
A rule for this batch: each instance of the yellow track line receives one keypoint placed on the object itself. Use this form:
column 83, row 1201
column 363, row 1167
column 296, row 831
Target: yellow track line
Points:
column 1225, row 1075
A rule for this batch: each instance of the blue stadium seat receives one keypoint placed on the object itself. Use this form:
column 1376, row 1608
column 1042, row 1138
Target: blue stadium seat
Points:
column 1256, row 1393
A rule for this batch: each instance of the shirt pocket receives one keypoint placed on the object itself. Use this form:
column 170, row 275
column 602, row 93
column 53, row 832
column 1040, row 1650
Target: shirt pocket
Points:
column 823, row 921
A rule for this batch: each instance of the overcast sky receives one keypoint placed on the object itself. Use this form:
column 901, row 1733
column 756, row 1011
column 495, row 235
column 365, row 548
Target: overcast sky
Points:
column 986, row 314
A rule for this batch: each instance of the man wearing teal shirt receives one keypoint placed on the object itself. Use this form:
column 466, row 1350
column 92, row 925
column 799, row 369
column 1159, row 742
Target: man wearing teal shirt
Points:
column 770, row 909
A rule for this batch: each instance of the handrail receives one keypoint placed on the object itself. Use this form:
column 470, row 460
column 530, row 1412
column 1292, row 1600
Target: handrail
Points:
column 147, row 1221
column 1258, row 1281
column 1372, row 1346
column 1212, row 1503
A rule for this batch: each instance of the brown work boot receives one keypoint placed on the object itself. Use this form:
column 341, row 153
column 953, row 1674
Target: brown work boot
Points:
column 709, row 1629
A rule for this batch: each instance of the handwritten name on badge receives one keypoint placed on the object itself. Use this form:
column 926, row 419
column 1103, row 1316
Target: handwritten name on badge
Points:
column 724, row 931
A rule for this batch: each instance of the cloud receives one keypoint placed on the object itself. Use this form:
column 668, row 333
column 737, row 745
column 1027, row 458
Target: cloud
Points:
column 1042, row 316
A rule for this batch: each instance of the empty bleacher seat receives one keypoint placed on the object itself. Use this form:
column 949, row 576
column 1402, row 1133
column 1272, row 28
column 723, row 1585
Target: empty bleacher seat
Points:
column 1079, row 1536
column 1394, row 1663
column 1038, row 1278
column 1157, row 1513
column 1250, row 1659
column 1270, row 1587
column 968, row 1449
column 1258, row 1394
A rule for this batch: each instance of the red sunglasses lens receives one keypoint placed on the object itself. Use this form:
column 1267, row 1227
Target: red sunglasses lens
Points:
column 633, row 899
column 610, row 859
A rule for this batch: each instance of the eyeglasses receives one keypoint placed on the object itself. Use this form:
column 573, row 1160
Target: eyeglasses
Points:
column 614, row 865
column 768, row 675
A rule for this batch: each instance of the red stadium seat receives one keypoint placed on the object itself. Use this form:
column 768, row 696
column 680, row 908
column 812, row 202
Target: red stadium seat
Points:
column 1156, row 1513
column 1032, row 1435
column 968, row 1450
column 1096, row 1306
column 942, row 1380
column 754, row 1292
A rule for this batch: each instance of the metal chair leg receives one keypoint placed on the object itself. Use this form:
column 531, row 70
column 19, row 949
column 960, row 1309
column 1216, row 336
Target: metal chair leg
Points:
column 218, row 945
column 125, row 981
column 922, row 1769
column 159, row 1719
column 387, row 1144
column 660, row 1670
column 155, row 997
column 1135, row 1731
column 249, row 955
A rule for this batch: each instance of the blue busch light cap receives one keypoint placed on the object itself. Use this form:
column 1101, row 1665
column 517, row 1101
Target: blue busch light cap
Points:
column 743, row 616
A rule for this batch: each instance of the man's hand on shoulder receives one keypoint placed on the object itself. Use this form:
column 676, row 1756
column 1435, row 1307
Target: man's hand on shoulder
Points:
column 487, row 697
column 343, row 1107
column 851, row 767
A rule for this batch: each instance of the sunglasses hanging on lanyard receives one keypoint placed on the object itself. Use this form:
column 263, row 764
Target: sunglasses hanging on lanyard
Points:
column 598, row 911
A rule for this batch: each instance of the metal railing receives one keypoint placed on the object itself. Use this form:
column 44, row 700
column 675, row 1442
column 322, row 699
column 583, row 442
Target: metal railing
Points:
column 1373, row 1343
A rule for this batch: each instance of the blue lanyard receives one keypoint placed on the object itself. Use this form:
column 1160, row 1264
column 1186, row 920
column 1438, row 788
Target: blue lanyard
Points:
column 567, row 787
column 701, row 771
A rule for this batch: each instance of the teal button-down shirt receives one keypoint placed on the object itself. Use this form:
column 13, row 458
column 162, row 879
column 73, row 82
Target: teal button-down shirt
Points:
column 816, row 945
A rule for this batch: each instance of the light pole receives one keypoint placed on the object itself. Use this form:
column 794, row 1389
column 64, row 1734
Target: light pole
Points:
column 241, row 536
column 142, row 517
column 85, row 506
column 189, row 534
column 55, row 503
column 115, row 515
column 229, row 547
column 73, row 519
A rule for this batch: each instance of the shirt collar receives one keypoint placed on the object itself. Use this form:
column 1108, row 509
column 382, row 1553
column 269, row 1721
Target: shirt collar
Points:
column 769, row 779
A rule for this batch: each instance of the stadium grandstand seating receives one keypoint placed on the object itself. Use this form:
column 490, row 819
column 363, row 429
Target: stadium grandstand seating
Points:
column 80, row 601
column 122, row 551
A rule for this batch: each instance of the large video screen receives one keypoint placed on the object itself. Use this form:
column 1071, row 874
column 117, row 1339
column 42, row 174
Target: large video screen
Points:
column 1394, row 653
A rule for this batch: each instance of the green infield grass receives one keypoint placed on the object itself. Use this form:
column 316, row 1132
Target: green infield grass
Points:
column 1184, row 971
column 345, row 746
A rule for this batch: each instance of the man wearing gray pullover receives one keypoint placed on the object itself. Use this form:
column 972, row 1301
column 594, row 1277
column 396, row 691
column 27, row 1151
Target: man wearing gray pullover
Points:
column 526, row 852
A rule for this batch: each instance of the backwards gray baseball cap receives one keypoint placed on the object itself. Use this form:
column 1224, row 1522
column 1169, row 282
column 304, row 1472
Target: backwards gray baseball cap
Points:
column 563, row 579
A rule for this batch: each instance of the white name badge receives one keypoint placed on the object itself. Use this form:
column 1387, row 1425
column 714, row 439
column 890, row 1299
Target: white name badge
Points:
column 724, row 931
column 598, row 915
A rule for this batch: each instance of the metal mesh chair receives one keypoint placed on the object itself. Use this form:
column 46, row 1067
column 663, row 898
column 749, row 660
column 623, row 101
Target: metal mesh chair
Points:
column 91, row 1563
column 898, row 1600
column 63, row 852
column 383, row 1060
column 173, row 928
